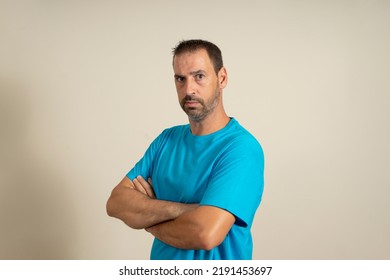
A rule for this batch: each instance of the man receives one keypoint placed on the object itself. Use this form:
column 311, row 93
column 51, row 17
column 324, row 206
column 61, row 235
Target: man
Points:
column 197, row 188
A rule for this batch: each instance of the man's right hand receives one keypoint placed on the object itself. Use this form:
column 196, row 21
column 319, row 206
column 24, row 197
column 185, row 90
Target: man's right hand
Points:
column 141, row 185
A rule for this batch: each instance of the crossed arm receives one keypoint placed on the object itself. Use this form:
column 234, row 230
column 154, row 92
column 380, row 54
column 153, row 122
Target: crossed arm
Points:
column 185, row 226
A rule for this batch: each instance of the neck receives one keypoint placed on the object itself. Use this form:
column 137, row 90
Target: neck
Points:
column 210, row 124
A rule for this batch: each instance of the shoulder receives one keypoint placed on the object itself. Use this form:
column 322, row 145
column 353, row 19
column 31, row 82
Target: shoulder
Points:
column 242, row 139
column 174, row 131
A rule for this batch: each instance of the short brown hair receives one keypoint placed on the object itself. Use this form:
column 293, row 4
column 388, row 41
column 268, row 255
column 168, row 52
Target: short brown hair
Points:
column 212, row 50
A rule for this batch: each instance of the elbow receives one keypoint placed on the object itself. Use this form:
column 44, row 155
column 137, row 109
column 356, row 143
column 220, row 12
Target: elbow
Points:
column 209, row 240
column 109, row 208
column 207, row 246
column 115, row 212
column 112, row 208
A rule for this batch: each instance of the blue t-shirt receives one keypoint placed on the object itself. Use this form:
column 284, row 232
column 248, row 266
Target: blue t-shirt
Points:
column 223, row 169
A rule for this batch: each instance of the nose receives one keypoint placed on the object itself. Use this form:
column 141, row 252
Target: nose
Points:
column 189, row 87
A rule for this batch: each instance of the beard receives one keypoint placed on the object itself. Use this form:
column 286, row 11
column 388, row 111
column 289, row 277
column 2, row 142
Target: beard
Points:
column 199, row 113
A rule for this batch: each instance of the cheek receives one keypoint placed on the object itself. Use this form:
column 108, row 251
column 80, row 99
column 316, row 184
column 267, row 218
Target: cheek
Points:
column 178, row 90
column 180, row 95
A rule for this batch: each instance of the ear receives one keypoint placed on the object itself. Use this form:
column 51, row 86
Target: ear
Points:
column 222, row 77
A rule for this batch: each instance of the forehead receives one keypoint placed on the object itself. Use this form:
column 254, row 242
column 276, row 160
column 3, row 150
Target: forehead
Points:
column 192, row 61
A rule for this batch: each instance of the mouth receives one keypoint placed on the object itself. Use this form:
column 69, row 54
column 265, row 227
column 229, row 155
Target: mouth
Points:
column 191, row 103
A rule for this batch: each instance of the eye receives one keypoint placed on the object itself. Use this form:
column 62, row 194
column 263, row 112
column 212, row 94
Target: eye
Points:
column 199, row 76
column 179, row 79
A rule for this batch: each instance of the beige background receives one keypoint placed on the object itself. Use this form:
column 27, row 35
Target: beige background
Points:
column 85, row 86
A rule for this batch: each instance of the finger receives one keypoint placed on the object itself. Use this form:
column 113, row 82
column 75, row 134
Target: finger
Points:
column 147, row 186
column 139, row 187
column 131, row 185
column 151, row 185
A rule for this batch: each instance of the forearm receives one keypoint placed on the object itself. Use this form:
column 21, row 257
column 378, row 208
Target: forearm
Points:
column 177, row 233
column 140, row 211
column 202, row 228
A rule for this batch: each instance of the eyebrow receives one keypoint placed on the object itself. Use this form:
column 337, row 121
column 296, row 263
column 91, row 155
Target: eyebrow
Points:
column 192, row 73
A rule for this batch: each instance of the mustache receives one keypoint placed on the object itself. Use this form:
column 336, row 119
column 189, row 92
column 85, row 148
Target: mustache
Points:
column 191, row 98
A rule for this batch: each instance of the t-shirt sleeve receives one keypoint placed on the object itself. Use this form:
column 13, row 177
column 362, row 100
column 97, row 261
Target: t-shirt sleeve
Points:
column 237, row 182
column 144, row 167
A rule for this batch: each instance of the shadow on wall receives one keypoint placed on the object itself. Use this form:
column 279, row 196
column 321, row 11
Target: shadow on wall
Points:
column 35, row 211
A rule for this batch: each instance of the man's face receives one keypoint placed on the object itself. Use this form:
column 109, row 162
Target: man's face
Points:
column 197, row 84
